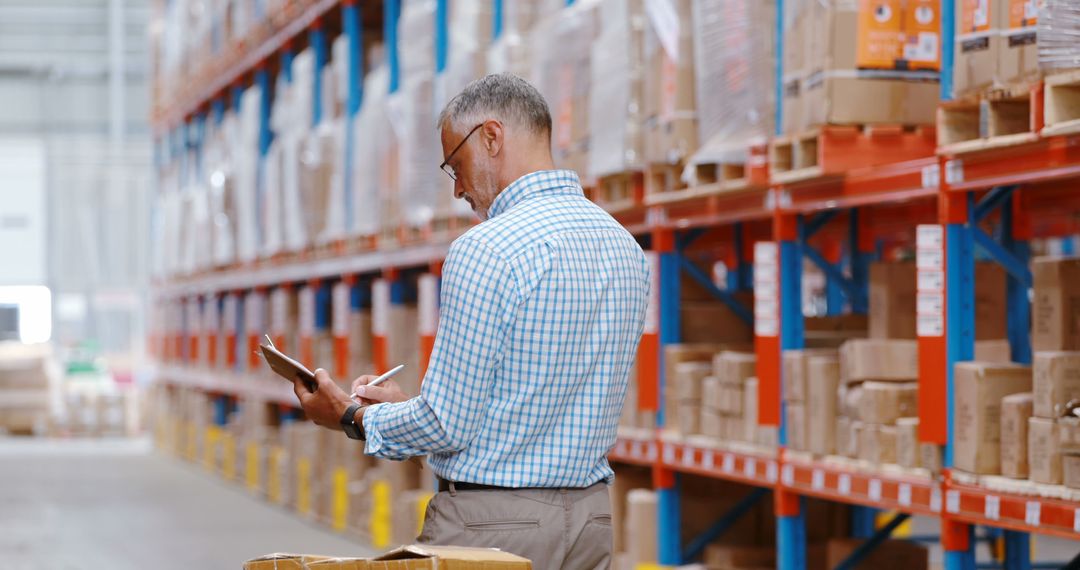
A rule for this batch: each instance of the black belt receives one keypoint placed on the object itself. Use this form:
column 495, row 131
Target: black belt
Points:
column 444, row 485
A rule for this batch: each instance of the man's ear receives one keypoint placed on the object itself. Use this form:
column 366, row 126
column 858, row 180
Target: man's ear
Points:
column 494, row 136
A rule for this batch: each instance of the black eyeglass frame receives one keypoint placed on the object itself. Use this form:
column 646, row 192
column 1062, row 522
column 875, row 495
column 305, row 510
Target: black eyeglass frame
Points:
column 445, row 166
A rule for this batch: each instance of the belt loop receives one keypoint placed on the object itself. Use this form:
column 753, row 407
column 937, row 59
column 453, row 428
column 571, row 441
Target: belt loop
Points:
column 453, row 488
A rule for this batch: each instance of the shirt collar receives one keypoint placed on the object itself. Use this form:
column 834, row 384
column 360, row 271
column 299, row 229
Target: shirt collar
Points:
column 532, row 184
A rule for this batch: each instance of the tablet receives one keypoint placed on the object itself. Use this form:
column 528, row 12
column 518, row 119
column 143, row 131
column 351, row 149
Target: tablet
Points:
column 287, row 367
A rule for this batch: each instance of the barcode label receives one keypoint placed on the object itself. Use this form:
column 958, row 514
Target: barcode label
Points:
column 903, row 495
column 729, row 463
column 992, row 507
column 788, row 475
column 875, row 490
column 1033, row 513
column 843, row 485
column 952, row 501
column 750, row 468
column 817, row 481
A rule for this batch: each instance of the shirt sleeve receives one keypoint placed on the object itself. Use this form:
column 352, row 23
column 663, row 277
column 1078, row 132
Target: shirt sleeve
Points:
column 477, row 304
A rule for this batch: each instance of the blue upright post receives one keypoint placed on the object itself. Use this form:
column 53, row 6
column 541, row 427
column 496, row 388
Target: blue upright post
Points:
column 266, row 136
column 237, row 93
column 957, row 537
column 442, row 32
column 1068, row 245
column 217, row 109
column 496, row 19
column 859, row 263
column 948, row 56
column 286, row 64
column 318, row 45
column 1015, row 234
column 790, row 508
column 741, row 276
column 355, row 94
column 669, row 525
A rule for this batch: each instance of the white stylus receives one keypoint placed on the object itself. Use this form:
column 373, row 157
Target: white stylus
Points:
column 393, row 372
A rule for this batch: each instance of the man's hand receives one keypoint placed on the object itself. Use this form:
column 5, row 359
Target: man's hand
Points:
column 388, row 391
column 327, row 404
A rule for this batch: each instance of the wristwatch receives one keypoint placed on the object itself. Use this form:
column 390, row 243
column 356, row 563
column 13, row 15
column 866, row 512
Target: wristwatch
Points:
column 348, row 423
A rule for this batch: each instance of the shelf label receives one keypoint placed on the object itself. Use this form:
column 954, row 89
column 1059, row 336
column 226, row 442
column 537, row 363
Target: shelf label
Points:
column 341, row 306
column 766, row 308
column 650, row 451
column 931, row 175
column 765, row 253
column 992, row 507
column 930, row 303
column 843, row 485
column 766, row 290
column 750, row 467
column 787, row 476
column 930, row 236
column 954, row 171
column 770, row 471
column 930, row 259
column 875, row 490
column 639, row 450
column 930, row 325
column 688, row 457
column 903, row 494
column 952, row 501
column 1076, row 520
column 707, row 459
column 817, row 480
column 620, row 447
column 1033, row 513
column 766, row 274
column 767, row 327
column 935, row 499
column 669, row 453
column 931, row 280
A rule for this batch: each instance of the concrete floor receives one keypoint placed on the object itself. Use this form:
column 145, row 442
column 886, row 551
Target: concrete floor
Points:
column 86, row 504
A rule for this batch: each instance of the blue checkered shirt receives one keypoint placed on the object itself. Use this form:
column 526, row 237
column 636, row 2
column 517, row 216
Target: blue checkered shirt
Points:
column 542, row 307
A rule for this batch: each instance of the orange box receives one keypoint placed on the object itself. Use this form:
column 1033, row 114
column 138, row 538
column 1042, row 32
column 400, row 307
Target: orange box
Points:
column 879, row 32
column 922, row 35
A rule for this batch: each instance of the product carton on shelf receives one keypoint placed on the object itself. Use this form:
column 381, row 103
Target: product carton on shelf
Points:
column 885, row 402
column 670, row 56
column 641, row 513
column 892, row 300
column 823, row 379
column 979, row 388
column 907, row 442
column 1044, row 452
column 1070, row 467
column 1055, row 310
column 795, row 374
column 1056, row 381
column 880, row 360
column 1016, row 409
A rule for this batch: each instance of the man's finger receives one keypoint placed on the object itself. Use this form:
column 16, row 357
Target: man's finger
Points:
column 362, row 381
column 373, row 393
column 322, row 377
column 299, row 389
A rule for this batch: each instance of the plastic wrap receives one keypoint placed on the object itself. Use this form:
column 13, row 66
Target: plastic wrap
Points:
column 296, row 125
column 272, row 173
column 246, row 162
column 222, row 184
column 1059, row 34
column 669, row 112
column 509, row 52
column 318, row 159
column 371, row 135
column 335, row 93
column 734, row 71
column 412, row 111
column 615, row 100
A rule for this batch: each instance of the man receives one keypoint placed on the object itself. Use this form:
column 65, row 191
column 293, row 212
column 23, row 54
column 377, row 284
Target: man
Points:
column 542, row 307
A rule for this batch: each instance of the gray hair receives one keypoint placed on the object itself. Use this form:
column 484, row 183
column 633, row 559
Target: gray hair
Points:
column 505, row 97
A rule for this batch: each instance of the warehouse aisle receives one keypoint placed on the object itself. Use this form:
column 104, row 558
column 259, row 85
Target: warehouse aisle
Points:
column 74, row 504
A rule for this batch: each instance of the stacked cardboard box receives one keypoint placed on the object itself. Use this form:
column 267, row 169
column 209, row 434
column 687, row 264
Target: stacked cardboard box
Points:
column 1056, row 340
column 995, row 45
column 799, row 389
column 724, row 397
column 616, row 100
column 402, row 558
column 978, row 391
column 876, row 389
column 670, row 57
column 853, row 63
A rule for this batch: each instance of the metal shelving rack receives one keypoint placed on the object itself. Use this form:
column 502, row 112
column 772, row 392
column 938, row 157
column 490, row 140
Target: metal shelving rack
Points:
column 773, row 226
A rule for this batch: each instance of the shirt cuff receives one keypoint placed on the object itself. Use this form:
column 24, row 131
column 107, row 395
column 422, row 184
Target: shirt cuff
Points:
column 371, row 429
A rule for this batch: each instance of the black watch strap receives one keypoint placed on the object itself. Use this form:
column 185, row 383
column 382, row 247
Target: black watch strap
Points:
column 348, row 423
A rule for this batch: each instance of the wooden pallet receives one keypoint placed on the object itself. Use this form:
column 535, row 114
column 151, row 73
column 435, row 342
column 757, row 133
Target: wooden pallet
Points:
column 1061, row 101
column 618, row 192
column 998, row 118
column 833, row 150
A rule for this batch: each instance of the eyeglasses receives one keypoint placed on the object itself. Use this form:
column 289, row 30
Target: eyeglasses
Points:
column 445, row 166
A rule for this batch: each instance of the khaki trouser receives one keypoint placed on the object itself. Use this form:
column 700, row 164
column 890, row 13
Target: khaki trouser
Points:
column 555, row 528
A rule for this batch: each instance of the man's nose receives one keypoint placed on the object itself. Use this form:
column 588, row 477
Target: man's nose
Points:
column 459, row 189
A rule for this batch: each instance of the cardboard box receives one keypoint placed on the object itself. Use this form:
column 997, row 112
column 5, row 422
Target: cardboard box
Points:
column 739, row 556
column 1015, row 412
column 423, row 556
column 823, row 379
column 1018, row 58
column 750, row 409
column 846, row 444
column 978, row 390
column 796, row 425
column 733, row 367
column 340, row 564
column 892, row 300
column 796, row 41
column 714, row 424
column 879, row 359
column 713, row 394
column 675, row 354
column 669, row 89
column 1069, row 434
column 907, row 442
column 282, row 561
column 714, row 321
column 688, row 380
column 889, row 554
column 1044, row 455
column 877, row 443
column 626, row 480
column 885, row 402
column 1055, row 312
column 688, row 419
column 850, row 399
column 1070, row 467
column 1056, row 381
column 795, row 373
column 977, row 45
column 641, row 505
column 997, row 350
column 931, row 456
